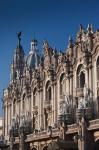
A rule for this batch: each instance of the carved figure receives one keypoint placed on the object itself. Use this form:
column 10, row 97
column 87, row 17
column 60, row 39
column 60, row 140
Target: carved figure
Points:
column 22, row 120
column 65, row 106
column 85, row 91
column 81, row 104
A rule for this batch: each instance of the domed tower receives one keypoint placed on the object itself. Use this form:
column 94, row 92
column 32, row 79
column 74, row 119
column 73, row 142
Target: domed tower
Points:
column 33, row 58
column 17, row 65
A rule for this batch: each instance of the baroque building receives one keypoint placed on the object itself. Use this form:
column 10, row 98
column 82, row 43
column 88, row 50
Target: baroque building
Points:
column 52, row 102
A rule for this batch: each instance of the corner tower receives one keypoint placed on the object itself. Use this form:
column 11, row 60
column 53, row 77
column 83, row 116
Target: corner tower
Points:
column 17, row 65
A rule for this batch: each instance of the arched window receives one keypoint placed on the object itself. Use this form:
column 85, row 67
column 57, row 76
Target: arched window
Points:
column 48, row 91
column 14, row 106
column 80, row 76
column 46, row 119
column 98, row 68
column 82, row 79
column 35, row 97
column 34, row 122
column 62, row 84
column 23, row 106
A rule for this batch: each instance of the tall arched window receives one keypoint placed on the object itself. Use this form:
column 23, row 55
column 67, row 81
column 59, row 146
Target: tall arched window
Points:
column 46, row 119
column 35, row 97
column 34, row 122
column 23, row 105
column 14, row 106
column 82, row 79
column 80, row 76
column 48, row 91
column 98, row 68
column 62, row 84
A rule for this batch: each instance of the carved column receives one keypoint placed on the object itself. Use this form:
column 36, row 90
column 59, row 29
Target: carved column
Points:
column 41, row 108
column 87, row 77
column 6, row 119
column 90, row 79
column 55, row 103
column 52, row 87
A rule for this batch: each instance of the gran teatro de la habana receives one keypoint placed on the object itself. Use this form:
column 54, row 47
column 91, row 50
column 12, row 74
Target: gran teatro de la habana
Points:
column 52, row 101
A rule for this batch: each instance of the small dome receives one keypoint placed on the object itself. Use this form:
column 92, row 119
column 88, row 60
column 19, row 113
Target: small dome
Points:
column 32, row 60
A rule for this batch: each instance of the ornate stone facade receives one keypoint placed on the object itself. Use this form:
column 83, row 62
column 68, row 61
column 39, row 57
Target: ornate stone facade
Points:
column 52, row 102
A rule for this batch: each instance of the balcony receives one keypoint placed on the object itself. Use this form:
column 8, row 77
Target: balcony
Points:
column 79, row 92
column 42, row 135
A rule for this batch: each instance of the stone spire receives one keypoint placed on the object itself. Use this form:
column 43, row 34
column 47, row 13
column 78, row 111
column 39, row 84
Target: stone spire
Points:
column 80, row 33
column 90, row 28
column 70, row 42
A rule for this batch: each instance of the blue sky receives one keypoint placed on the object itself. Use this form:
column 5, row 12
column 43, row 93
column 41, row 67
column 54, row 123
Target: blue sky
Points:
column 53, row 20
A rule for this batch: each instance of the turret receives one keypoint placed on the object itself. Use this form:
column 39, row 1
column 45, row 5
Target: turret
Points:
column 17, row 65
